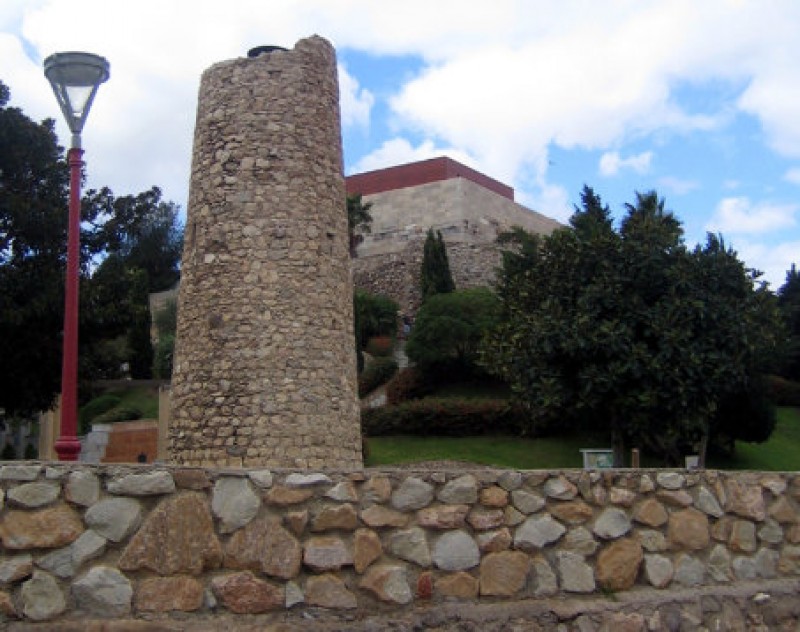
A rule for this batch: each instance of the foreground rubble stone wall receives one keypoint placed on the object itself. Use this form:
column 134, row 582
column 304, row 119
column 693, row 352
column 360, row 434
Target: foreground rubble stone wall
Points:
column 140, row 541
column 265, row 367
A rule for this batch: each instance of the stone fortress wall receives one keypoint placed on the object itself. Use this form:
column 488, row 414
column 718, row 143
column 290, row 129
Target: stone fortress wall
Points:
column 663, row 550
column 265, row 370
column 469, row 209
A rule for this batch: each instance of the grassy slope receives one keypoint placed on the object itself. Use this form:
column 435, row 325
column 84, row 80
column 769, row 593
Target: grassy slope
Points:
column 781, row 452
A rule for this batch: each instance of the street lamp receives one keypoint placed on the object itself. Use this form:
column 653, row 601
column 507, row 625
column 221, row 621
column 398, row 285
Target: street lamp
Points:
column 75, row 78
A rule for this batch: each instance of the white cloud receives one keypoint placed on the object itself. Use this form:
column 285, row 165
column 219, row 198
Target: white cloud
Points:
column 398, row 151
column 740, row 215
column 771, row 259
column 356, row 102
column 611, row 163
column 501, row 81
column 678, row 186
column 792, row 175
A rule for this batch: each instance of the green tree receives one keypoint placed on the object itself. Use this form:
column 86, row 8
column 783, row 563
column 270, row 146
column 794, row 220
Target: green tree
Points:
column 449, row 328
column 34, row 182
column 166, row 321
column 631, row 330
column 789, row 302
column 435, row 276
column 140, row 348
column 375, row 315
column 592, row 218
column 141, row 237
column 143, row 230
column 359, row 220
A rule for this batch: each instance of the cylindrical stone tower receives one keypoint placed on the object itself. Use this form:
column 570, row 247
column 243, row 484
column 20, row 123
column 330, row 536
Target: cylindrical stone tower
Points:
column 265, row 367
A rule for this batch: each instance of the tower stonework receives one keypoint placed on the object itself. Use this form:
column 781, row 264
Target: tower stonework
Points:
column 265, row 367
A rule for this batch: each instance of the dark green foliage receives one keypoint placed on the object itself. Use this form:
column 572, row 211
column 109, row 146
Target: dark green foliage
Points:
column 375, row 315
column 448, row 330
column 143, row 230
column 407, row 384
column 631, row 330
column 94, row 408
column 359, row 220
column 377, row 372
column 789, row 303
column 166, row 321
column 442, row 417
column 435, row 276
column 783, row 392
column 592, row 218
column 139, row 345
column 747, row 414
column 163, row 356
column 34, row 182
column 136, row 232
column 31, row 453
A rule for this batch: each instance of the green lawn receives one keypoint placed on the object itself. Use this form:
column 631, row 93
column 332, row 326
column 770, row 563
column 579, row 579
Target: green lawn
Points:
column 781, row 452
column 145, row 398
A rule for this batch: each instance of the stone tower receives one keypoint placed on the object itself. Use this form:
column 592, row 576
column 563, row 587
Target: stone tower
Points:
column 265, row 367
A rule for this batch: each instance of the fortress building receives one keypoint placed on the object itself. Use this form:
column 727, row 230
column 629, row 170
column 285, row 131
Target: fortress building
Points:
column 469, row 208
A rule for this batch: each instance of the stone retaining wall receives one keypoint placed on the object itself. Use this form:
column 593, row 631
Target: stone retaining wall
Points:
column 396, row 275
column 83, row 542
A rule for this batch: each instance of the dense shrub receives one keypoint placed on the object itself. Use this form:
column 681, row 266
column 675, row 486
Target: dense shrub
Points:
column 375, row 315
column 377, row 372
column 448, row 329
column 443, row 417
column 8, row 453
column 783, row 392
column 120, row 413
column 407, row 384
column 94, row 408
column 380, row 346
column 31, row 453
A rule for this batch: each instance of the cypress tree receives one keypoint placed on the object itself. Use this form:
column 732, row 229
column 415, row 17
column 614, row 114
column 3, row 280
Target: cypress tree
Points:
column 435, row 275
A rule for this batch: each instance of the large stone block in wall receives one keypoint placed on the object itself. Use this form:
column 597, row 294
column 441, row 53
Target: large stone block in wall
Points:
column 265, row 370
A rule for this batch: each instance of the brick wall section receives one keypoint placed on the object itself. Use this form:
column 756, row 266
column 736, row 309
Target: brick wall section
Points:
column 129, row 439
column 143, row 541
column 422, row 172
column 265, row 370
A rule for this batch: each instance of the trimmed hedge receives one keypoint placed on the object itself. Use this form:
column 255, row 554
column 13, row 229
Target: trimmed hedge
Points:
column 408, row 384
column 377, row 372
column 120, row 413
column 96, row 407
column 443, row 417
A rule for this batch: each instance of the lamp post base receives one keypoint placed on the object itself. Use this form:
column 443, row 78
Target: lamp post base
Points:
column 68, row 448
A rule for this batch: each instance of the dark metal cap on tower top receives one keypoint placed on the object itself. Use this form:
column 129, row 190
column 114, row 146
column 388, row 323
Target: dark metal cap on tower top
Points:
column 260, row 50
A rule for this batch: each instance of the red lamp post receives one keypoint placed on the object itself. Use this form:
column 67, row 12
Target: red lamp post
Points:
column 75, row 78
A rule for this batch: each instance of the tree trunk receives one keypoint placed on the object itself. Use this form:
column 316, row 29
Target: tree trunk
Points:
column 702, row 450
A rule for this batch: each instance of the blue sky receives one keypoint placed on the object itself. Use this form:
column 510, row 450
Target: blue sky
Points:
column 697, row 100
